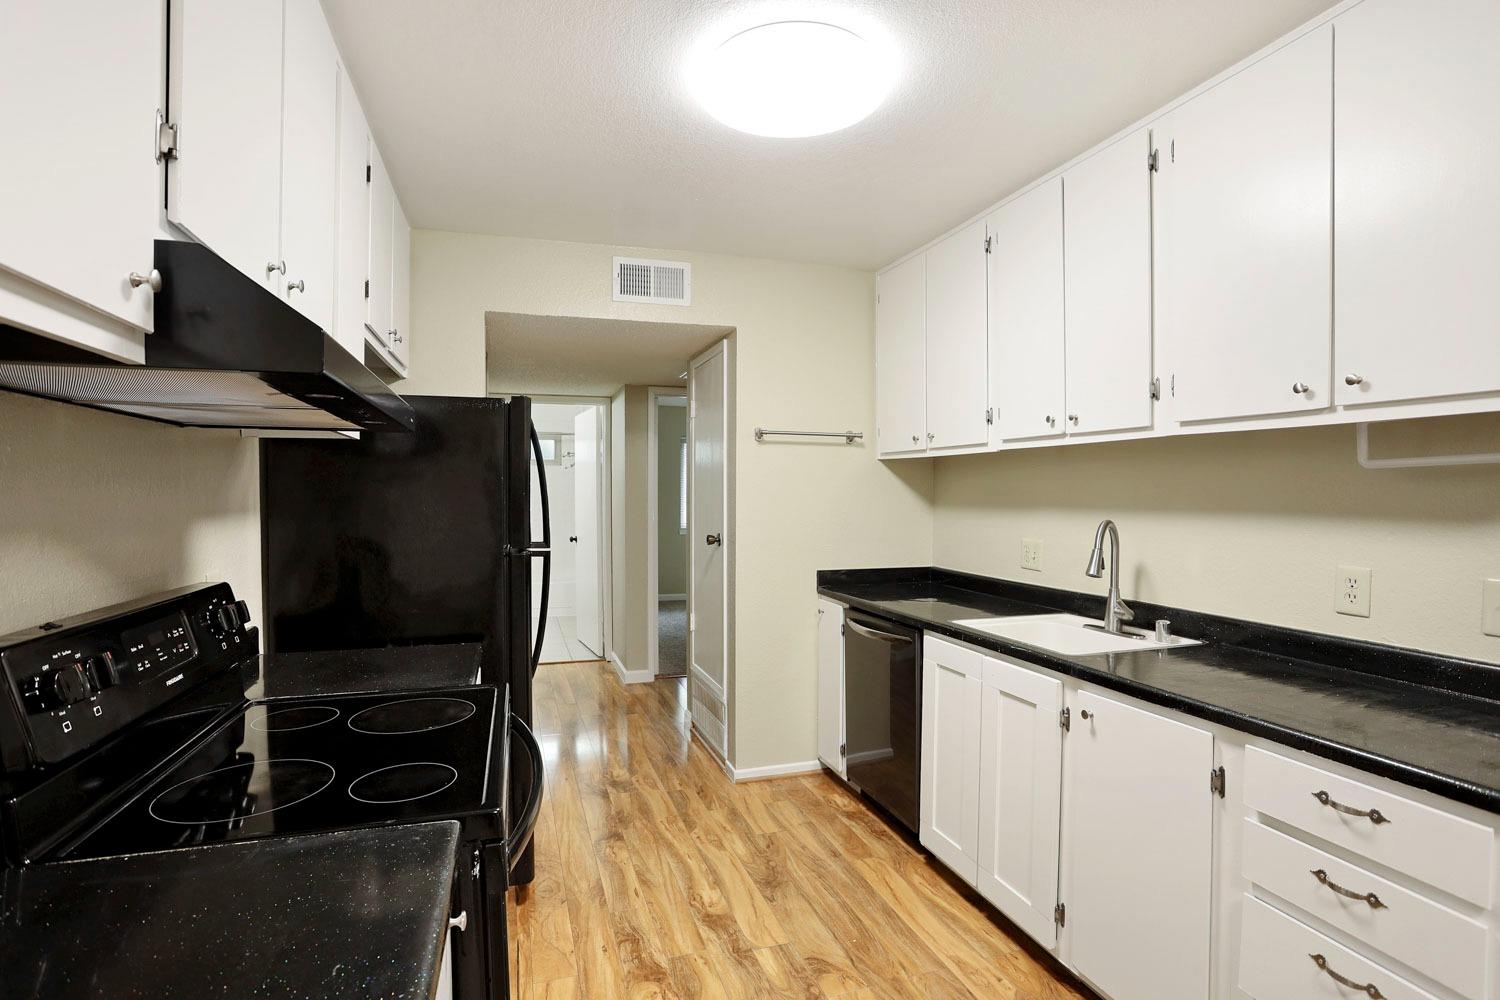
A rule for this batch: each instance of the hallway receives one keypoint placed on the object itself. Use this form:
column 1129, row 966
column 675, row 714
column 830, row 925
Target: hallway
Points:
column 658, row 877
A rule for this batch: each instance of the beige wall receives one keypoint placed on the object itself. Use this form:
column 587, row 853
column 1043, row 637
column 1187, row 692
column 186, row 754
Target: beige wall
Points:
column 804, row 351
column 671, row 544
column 99, row 508
column 1251, row 525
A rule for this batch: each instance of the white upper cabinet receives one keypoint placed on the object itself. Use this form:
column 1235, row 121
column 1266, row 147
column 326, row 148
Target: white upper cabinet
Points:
column 957, row 347
column 1020, row 788
column 382, row 245
column 1107, row 258
column 308, row 161
column 1416, row 217
column 951, row 719
column 1138, row 851
column 901, row 358
column 1247, row 175
column 224, row 187
column 1026, row 313
column 80, row 194
column 400, row 285
column 352, row 242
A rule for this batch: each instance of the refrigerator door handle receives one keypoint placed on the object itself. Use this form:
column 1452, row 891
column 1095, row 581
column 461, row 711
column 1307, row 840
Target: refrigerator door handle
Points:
column 543, row 551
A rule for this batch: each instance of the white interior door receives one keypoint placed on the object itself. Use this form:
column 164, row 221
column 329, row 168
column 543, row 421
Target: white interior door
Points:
column 588, row 450
column 708, row 544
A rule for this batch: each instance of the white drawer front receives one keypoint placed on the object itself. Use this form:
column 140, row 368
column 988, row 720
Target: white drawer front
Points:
column 1429, row 937
column 1446, row 851
column 1277, row 963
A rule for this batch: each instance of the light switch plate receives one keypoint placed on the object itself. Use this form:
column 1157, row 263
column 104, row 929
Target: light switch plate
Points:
column 1031, row 554
column 1490, row 621
column 1352, row 592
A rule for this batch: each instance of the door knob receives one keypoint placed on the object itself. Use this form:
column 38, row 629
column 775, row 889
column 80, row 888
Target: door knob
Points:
column 460, row 922
column 714, row 540
column 572, row 538
column 151, row 279
column 1354, row 379
column 300, row 285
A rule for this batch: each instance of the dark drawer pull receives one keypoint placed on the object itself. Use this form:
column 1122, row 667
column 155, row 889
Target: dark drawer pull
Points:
column 1373, row 815
column 1369, row 989
column 1363, row 897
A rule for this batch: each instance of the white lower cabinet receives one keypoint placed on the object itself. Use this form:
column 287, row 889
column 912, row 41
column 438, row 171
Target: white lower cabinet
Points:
column 949, row 811
column 831, row 686
column 1020, row 784
column 1138, row 851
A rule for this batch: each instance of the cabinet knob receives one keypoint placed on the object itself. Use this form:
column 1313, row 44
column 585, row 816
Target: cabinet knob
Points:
column 300, row 285
column 151, row 279
column 1073, row 418
column 915, row 439
column 929, row 435
column 1354, row 380
column 272, row 266
column 460, row 922
column 1050, row 421
column 1300, row 388
column 395, row 336
column 1085, row 714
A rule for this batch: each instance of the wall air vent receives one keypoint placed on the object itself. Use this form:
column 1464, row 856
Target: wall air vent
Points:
column 659, row 282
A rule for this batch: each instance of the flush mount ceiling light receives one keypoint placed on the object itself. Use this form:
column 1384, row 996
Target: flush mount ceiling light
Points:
column 791, row 79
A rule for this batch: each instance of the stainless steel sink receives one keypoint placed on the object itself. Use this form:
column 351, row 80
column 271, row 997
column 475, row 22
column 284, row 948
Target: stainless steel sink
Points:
column 1070, row 635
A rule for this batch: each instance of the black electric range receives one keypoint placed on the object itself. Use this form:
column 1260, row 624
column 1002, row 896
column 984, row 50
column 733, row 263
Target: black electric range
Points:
column 134, row 730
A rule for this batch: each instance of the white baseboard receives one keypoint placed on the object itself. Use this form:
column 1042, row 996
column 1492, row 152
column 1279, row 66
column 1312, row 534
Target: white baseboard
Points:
column 670, row 597
column 630, row 676
column 740, row 774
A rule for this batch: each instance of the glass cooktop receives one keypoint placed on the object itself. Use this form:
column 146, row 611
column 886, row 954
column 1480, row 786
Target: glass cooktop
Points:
column 287, row 767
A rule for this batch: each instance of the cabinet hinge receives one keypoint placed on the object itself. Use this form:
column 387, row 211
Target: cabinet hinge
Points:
column 989, row 415
column 843, row 749
column 367, row 173
column 1216, row 781
column 693, row 622
column 1153, row 160
column 1065, row 720
column 988, row 240
column 841, row 630
column 166, row 138
column 1060, row 914
column 1174, row 385
column 367, row 288
column 1156, row 388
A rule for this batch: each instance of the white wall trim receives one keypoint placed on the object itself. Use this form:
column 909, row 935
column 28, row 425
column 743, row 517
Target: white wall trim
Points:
column 629, row 676
column 741, row 774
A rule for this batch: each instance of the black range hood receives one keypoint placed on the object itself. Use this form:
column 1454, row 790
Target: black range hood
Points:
column 226, row 353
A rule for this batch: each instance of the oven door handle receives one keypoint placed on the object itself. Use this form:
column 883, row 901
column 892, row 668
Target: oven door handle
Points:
column 871, row 633
column 519, row 834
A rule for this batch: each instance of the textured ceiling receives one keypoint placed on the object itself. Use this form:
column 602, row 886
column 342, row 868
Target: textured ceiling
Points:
column 569, row 120
column 568, row 356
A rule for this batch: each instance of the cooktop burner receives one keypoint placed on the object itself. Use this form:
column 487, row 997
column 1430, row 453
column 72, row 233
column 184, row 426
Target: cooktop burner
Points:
column 279, row 767
column 239, row 791
column 287, row 719
column 402, row 782
column 411, row 715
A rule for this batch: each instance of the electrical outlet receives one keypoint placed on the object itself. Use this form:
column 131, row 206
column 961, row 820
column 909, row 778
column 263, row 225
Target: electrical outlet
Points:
column 1352, row 596
column 1490, row 621
column 1031, row 554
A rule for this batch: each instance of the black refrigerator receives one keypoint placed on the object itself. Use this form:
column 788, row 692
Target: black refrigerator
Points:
column 421, row 540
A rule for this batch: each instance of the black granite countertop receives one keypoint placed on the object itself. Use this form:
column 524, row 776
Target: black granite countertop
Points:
column 1426, row 720
column 355, row 671
column 358, row 913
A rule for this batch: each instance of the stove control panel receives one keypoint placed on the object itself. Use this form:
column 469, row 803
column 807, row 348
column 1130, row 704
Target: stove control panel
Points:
column 72, row 684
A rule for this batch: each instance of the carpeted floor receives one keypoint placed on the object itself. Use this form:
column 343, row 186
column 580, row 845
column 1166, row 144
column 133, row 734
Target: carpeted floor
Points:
column 671, row 630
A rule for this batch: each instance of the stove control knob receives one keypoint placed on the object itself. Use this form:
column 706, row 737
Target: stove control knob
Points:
column 226, row 620
column 243, row 610
column 70, row 685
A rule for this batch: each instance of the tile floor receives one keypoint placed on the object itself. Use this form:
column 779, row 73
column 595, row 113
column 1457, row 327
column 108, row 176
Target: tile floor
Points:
column 561, row 645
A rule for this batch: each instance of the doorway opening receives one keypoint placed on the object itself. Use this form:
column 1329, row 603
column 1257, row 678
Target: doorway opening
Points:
column 572, row 435
column 667, row 507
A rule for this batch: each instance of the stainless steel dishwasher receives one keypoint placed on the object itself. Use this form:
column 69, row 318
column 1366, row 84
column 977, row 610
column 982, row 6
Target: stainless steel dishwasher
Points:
column 883, row 713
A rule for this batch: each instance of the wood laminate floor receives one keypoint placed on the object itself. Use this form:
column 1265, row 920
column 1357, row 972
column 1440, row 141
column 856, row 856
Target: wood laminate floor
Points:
column 658, row 877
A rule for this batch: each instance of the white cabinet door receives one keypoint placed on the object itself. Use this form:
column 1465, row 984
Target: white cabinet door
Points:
column 901, row 358
column 352, row 246
column 1026, row 313
column 1137, row 851
column 831, row 685
column 1417, row 222
column 309, row 161
column 382, row 244
column 957, row 389
column 79, row 90
column 1246, row 181
column 400, row 285
column 949, row 811
column 1107, row 254
column 1020, row 790
column 224, row 187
